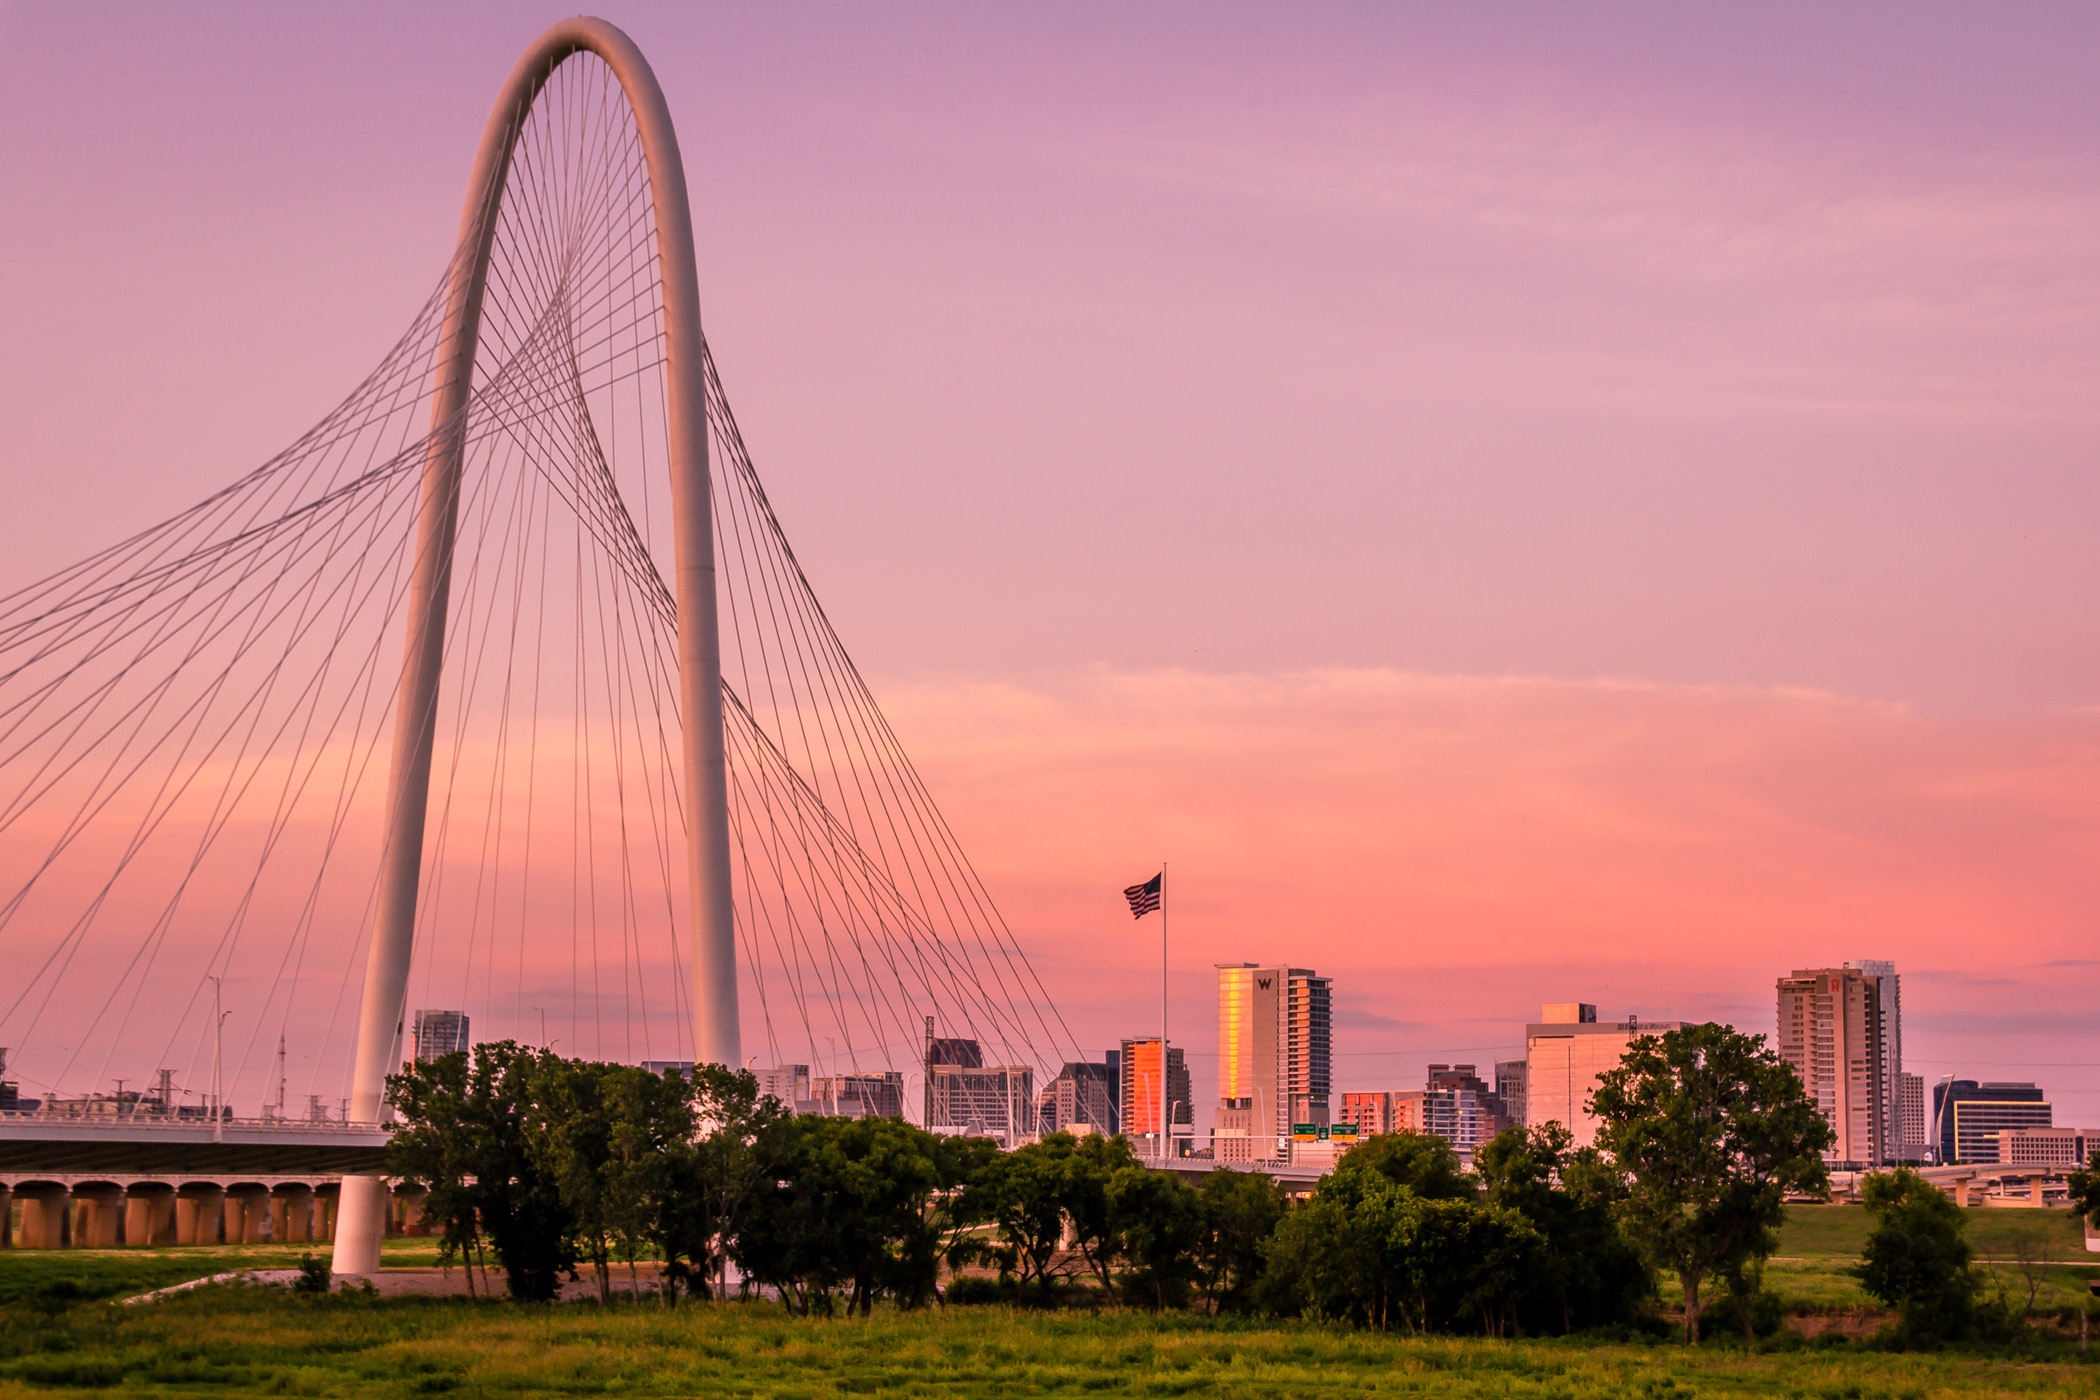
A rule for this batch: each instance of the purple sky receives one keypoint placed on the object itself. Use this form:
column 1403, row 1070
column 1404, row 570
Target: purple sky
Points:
column 1637, row 351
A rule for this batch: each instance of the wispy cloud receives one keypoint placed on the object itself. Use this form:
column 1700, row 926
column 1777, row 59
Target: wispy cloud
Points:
column 1455, row 848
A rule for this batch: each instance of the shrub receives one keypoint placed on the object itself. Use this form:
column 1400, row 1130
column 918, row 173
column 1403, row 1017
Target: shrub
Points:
column 313, row 1275
column 1917, row 1260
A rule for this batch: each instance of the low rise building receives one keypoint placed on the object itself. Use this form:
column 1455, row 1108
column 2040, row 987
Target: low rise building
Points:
column 1969, row 1114
column 1509, row 1087
column 2049, row 1148
column 879, row 1095
column 787, row 1083
column 1915, row 1144
column 1369, row 1114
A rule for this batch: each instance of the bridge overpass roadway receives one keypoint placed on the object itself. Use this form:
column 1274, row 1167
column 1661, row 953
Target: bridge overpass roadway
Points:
column 149, row 1145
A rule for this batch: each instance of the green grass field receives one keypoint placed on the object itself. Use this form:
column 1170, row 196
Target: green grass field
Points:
column 1819, row 1244
column 237, row 1341
column 248, row 1342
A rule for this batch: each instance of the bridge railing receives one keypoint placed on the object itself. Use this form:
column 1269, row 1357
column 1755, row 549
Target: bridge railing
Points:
column 156, row 1122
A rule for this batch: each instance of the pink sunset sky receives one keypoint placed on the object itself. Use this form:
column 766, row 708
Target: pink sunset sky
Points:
column 1515, row 504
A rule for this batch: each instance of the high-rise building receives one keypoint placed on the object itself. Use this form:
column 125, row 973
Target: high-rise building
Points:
column 966, row 1095
column 1916, row 1143
column 1141, row 1116
column 1889, row 1005
column 1970, row 1115
column 1830, row 1026
column 787, row 1083
column 1509, row 1087
column 1078, row 1097
column 438, row 1033
column 1564, row 1053
column 1275, row 1057
column 944, row 1110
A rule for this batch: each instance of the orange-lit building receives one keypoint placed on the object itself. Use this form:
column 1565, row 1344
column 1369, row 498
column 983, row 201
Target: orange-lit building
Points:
column 1141, row 1090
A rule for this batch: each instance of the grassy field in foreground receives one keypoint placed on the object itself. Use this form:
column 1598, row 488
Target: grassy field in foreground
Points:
column 246, row 1341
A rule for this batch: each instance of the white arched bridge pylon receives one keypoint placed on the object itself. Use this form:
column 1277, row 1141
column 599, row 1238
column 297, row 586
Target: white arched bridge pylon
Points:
column 500, row 690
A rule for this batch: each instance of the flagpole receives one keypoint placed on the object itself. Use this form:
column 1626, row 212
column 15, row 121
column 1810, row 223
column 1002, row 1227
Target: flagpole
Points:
column 1166, row 1129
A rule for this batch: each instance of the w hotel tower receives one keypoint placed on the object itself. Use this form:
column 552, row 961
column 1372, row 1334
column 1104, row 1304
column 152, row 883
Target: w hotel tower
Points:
column 1274, row 1060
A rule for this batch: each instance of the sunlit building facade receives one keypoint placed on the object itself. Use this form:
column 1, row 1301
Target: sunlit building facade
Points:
column 1565, row 1052
column 1830, row 1031
column 1141, row 1109
column 1275, row 1058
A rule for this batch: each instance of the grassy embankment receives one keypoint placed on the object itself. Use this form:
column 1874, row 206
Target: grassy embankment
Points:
column 1819, row 1244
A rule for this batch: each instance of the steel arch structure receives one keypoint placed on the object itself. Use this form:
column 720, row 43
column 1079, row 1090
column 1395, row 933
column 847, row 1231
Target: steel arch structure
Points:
column 716, row 1035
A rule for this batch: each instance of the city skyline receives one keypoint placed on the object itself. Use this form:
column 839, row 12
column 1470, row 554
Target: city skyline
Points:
column 1545, row 682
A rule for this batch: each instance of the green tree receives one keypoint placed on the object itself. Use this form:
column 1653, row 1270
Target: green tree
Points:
column 1158, row 1224
column 1422, row 1162
column 473, row 1129
column 849, row 1198
column 2085, row 1191
column 1028, row 1194
column 1368, row 1250
column 435, row 1145
column 1090, row 1164
column 744, row 1134
column 1588, row 1274
column 1709, row 1131
column 952, row 1233
column 1333, row 1256
column 1461, row 1263
column 1917, row 1259
column 1241, row 1211
column 651, row 1139
column 573, row 1144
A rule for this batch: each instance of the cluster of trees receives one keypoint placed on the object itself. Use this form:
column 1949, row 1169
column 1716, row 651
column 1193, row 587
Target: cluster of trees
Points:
column 1919, row 1261
column 555, row 1166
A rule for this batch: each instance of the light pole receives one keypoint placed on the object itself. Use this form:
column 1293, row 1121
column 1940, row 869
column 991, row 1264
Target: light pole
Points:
column 218, row 1023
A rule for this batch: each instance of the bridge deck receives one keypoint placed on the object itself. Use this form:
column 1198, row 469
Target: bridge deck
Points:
column 147, row 1145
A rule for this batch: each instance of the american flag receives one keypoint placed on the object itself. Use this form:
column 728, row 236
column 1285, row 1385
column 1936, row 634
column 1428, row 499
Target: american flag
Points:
column 1145, row 898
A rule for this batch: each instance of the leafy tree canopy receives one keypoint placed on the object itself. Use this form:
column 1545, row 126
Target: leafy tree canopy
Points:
column 1709, row 1131
column 1917, row 1259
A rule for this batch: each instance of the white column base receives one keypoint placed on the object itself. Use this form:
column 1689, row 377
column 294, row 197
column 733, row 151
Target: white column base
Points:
column 360, row 1225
